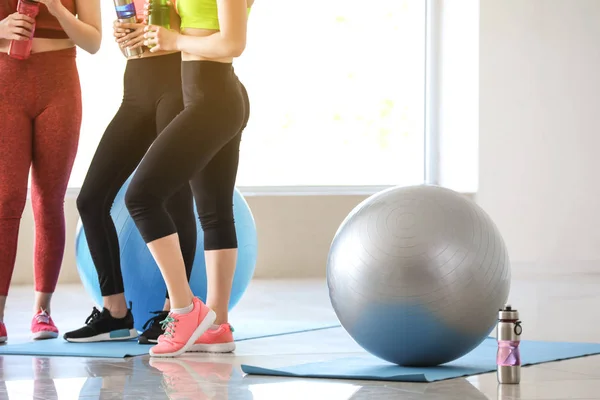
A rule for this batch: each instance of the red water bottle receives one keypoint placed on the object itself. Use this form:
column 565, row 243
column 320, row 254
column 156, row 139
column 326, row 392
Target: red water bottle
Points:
column 20, row 49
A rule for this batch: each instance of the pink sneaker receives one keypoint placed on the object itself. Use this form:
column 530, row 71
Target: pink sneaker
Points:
column 182, row 330
column 3, row 334
column 42, row 326
column 219, row 340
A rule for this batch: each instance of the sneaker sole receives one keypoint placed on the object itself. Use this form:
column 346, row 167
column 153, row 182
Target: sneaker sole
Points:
column 213, row 348
column 143, row 340
column 41, row 335
column 122, row 334
column 203, row 327
column 3, row 339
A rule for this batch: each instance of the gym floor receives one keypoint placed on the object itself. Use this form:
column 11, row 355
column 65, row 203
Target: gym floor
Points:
column 558, row 308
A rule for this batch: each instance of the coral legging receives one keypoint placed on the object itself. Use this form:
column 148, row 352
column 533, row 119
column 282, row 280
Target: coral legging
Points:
column 40, row 118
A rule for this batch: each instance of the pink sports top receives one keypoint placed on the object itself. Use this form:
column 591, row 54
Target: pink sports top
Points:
column 46, row 25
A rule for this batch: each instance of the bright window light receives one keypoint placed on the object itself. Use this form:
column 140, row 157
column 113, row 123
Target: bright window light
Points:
column 337, row 91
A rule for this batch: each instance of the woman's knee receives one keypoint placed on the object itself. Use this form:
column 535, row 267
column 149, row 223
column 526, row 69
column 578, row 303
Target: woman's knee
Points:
column 219, row 230
column 12, row 203
column 91, row 202
column 139, row 199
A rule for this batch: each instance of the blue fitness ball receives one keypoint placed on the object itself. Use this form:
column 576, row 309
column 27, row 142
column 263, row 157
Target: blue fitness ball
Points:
column 143, row 282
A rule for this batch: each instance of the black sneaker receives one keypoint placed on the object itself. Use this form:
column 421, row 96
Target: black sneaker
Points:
column 102, row 327
column 154, row 328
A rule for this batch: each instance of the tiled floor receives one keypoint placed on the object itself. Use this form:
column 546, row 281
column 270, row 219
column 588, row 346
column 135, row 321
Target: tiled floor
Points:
column 560, row 308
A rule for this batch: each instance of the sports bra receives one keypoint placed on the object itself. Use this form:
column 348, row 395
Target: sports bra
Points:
column 198, row 14
column 46, row 25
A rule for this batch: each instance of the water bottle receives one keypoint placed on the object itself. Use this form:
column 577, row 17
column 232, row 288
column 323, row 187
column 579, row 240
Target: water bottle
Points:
column 160, row 14
column 509, row 337
column 126, row 13
column 21, row 49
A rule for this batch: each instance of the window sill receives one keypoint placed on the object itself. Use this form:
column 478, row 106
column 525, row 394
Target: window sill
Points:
column 272, row 191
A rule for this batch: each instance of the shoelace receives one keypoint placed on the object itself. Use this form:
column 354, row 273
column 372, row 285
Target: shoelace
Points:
column 156, row 319
column 94, row 316
column 42, row 318
column 168, row 325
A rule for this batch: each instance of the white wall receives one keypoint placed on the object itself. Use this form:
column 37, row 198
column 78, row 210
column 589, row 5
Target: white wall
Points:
column 540, row 128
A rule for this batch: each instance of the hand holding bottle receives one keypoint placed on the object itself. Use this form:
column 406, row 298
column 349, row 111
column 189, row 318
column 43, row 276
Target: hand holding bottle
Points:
column 16, row 27
column 128, row 34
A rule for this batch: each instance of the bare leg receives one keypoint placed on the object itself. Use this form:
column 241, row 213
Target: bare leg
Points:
column 167, row 253
column 220, row 268
column 42, row 302
column 116, row 304
column 167, row 306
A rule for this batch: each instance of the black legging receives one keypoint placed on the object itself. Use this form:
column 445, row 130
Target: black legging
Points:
column 152, row 98
column 201, row 145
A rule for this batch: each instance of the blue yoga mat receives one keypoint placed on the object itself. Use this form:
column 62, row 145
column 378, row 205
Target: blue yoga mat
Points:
column 480, row 360
column 60, row 347
column 248, row 330
column 131, row 348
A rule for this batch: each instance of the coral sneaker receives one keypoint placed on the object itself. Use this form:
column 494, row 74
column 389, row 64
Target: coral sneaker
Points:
column 3, row 334
column 217, row 339
column 182, row 330
column 42, row 326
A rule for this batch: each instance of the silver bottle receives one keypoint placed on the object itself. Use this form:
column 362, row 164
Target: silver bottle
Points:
column 509, row 337
column 126, row 13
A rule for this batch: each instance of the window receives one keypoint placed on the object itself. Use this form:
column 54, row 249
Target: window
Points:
column 458, row 86
column 337, row 93
column 101, row 77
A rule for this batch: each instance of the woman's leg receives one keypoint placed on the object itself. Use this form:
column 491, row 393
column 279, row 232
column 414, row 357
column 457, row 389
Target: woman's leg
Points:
column 123, row 145
column 181, row 209
column 55, row 141
column 15, row 147
column 213, row 189
column 15, row 160
column 152, row 98
column 180, row 205
column 168, row 165
column 186, row 146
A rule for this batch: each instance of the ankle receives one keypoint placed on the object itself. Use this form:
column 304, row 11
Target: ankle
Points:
column 117, row 312
column 116, row 305
column 222, row 316
column 181, row 303
column 183, row 310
